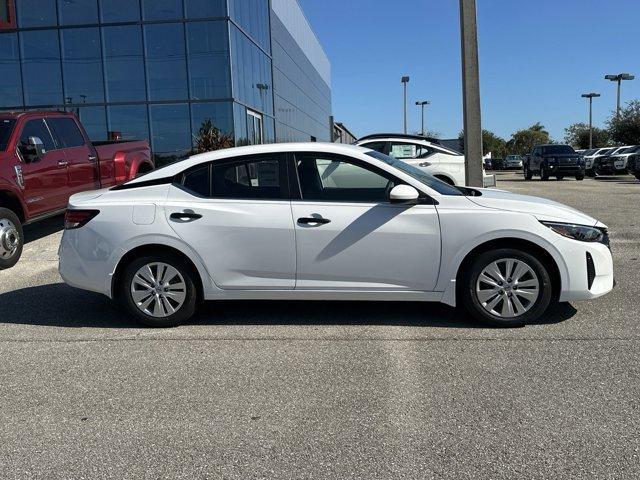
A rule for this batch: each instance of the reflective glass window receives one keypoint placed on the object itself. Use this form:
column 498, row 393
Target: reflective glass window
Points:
column 82, row 65
column 128, row 122
column 208, row 49
column 253, row 18
column 36, row 13
column 162, row 9
column 219, row 113
column 198, row 181
column 94, row 121
column 11, row 79
column 124, row 65
column 205, row 8
column 254, row 179
column 74, row 12
column 41, row 67
column 119, row 10
column 166, row 65
column 170, row 132
column 240, row 124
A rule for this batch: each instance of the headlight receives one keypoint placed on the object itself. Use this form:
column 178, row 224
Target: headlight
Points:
column 578, row 232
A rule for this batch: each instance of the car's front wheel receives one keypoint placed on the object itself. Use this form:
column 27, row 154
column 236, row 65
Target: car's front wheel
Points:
column 544, row 175
column 580, row 176
column 528, row 174
column 159, row 290
column 506, row 287
column 11, row 238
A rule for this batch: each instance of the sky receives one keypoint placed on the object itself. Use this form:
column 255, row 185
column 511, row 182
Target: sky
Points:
column 536, row 59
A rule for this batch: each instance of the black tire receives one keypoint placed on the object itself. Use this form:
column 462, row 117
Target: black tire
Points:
column 559, row 177
column 637, row 175
column 591, row 173
column 544, row 175
column 528, row 175
column 469, row 300
column 580, row 176
column 11, row 238
column 183, row 313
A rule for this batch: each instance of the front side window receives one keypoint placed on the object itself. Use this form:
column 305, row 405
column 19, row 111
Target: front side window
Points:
column 67, row 132
column 254, row 179
column 36, row 128
column 405, row 151
column 337, row 179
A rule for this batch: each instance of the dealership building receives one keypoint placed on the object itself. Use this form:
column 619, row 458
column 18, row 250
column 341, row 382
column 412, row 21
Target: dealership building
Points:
column 157, row 69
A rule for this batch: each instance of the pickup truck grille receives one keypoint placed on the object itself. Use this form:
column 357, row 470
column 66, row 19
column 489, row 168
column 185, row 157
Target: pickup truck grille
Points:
column 568, row 161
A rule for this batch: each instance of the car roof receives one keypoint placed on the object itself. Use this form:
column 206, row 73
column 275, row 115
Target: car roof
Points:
column 380, row 136
column 175, row 168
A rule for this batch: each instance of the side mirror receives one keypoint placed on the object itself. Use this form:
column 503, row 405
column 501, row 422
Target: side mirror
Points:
column 34, row 149
column 404, row 194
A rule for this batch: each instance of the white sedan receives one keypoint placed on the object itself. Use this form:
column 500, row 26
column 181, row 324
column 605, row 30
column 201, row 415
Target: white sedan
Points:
column 327, row 222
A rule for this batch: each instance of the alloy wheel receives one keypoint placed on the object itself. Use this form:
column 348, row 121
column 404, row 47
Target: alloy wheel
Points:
column 507, row 288
column 158, row 289
column 9, row 238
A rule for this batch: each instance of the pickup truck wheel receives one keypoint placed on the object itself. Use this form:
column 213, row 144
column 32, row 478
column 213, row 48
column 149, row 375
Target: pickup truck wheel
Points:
column 544, row 175
column 159, row 292
column 528, row 175
column 637, row 175
column 506, row 287
column 11, row 239
column 591, row 173
column 580, row 176
column 559, row 177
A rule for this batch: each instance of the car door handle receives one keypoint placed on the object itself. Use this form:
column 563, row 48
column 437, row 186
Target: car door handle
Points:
column 92, row 158
column 62, row 163
column 313, row 221
column 185, row 216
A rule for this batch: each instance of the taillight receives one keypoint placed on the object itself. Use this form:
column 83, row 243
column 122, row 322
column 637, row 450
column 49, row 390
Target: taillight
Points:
column 78, row 218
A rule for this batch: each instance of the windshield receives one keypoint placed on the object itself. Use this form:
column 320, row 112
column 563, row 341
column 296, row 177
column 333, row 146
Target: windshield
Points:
column 6, row 127
column 420, row 175
column 629, row 150
column 557, row 150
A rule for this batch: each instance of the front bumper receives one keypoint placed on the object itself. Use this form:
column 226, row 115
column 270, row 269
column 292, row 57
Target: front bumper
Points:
column 555, row 169
column 587, row 281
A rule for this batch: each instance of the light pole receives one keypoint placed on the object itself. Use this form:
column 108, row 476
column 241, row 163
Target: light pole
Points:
column 590, row 96
column 619, row 78
column 422, row 105
column 404, row 81
column 471, row 94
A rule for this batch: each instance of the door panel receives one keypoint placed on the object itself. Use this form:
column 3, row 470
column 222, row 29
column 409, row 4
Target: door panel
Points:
column 367, row 246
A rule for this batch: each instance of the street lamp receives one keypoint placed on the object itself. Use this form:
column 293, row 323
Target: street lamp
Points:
column 404, row 81
column 422, row 105
column 619, row 78
column 590, row 96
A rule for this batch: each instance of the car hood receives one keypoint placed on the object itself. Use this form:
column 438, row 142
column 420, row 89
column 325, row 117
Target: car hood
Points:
column 541, row 208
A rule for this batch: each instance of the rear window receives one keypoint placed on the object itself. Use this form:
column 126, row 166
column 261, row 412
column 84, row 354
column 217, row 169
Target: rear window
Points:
column 6, row 127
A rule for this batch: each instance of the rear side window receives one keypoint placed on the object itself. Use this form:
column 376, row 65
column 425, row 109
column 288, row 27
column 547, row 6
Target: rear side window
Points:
column 377, row 146
column 403, row 151
column 67, row 132
column 36, row 128
column 198, row 181
column 250, row 179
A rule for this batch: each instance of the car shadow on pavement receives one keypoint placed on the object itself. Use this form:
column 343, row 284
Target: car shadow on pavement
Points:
column 59, row 305
column 43, row 228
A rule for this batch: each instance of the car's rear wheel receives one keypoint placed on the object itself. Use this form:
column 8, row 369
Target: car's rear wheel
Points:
column 160, row 291
column 506, row 287
column 11, row 239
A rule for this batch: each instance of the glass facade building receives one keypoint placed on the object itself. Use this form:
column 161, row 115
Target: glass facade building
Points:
column 157, row 69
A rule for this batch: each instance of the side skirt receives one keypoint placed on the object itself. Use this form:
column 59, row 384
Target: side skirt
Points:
column 353, row 295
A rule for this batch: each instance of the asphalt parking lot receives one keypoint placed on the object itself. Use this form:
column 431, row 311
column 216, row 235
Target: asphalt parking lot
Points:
column 323, row 390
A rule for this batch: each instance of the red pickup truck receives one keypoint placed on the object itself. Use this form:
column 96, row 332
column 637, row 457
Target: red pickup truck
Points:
column 45, row 157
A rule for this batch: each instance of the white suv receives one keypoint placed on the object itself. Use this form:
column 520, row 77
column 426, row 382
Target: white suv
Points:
column 423, row 152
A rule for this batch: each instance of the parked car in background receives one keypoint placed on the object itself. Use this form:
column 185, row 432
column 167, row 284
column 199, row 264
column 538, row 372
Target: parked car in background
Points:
column 488, row 163
column 513, row 162
column 633, row 165
column 590, row 158
column 425, row 153
column 497, row 163
column 553, row 160
column 45, row 157
column 616, row 162
column 316, row 221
